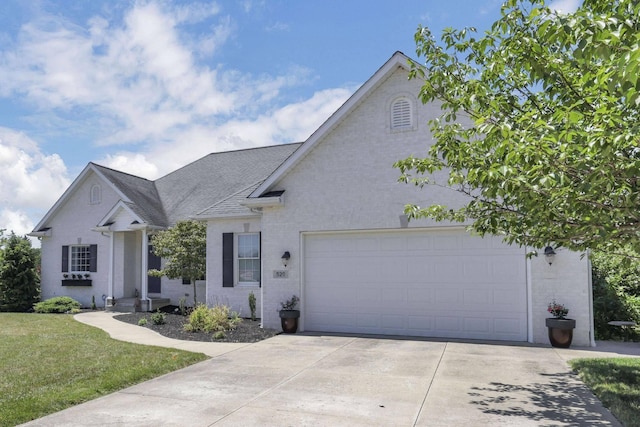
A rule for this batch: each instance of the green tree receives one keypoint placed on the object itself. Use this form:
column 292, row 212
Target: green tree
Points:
column 540, row 125
column 616, row 293
column 184, row 251
column 19, row 281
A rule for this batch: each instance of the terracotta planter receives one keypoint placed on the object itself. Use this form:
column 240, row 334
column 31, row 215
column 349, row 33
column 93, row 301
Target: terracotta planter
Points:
column 289, row 321
column 560, row 331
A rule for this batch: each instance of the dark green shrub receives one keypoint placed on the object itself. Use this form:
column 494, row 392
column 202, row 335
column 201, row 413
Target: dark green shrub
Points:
column 159, row 318
column 57, row 305
column 19, row 281
column 616, row 293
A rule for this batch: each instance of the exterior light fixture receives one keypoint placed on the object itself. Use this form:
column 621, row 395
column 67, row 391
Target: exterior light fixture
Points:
column 549, row 254
column 285, row 258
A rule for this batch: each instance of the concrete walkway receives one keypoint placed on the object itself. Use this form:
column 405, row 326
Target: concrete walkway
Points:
column 320, row 380
column 131, row 333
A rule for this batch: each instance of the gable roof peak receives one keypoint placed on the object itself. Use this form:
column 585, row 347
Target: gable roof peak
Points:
column 398, row 59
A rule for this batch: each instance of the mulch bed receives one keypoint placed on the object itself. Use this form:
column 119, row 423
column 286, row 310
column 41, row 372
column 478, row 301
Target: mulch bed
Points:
column 246, row 331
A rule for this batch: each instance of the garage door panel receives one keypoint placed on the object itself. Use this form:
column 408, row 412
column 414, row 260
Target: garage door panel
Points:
column 507, row 326
column 422, row 283
column 478, row 325
column 478, row 297
column 396, row 322
column 418, row 268
column 508, row 269
column 504, row 298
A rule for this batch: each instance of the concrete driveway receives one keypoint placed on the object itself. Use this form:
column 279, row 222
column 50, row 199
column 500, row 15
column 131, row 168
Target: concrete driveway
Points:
column 314, row 380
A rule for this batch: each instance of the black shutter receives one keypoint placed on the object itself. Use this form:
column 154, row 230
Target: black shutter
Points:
column 65, row 259
column 227, row 260
column 93, row 258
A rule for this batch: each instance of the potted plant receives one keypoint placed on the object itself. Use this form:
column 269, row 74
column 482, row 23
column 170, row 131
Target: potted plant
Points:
column 560, row 328
column 289, row 315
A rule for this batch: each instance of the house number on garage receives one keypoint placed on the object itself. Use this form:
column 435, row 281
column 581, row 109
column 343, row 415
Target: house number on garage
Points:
column 280, row 274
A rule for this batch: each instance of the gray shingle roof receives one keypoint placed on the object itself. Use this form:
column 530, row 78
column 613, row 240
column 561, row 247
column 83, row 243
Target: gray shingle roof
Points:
column 217, row 181
column 144, row 197
column 231, row 205
column 215, row 177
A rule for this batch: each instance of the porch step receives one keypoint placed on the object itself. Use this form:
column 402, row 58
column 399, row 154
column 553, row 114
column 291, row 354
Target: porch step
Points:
column 133, row 305
column 125, row 305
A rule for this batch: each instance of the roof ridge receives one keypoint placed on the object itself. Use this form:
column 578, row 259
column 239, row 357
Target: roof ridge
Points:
column 120, row 172
column 227, row 152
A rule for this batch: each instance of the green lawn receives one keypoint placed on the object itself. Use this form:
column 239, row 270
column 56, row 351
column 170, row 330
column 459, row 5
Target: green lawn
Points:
column 616, row 382
column 49, row 362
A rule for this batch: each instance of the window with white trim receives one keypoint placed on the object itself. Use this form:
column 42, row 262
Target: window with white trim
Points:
column 248, row 258
column 80, row 258
column 401, row 114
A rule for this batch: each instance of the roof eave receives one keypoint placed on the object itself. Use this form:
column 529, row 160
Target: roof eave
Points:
column 263, row 202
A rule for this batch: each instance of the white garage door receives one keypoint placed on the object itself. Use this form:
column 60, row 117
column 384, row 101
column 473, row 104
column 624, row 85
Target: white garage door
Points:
column 419, row 283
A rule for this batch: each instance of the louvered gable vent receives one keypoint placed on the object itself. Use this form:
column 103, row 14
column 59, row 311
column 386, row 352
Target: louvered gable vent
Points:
column 401, row 114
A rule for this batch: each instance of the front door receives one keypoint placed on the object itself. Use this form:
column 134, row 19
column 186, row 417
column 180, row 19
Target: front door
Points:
column 154, row 264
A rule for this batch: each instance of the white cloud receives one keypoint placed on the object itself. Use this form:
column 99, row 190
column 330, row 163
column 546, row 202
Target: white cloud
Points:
column 195, row 12
column 292, row 123
column 16, row 221
column 140, row 85
column 565, row 6
column 31, row 181
column 142, row 73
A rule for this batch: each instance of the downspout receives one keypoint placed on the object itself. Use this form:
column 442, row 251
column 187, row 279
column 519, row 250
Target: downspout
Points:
column 262, row 276
column 110, row 298
column 529, row 298
column 592, row 329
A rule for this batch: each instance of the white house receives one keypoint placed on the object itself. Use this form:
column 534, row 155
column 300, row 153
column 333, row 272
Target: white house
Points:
column 335, row 205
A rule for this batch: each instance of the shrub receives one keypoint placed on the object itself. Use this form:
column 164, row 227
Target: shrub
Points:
column 215, row 319
column 252, row 305
column 159, row 318
column 19, row 281
column 616, row 293
column 142, row 322
column 57, row 305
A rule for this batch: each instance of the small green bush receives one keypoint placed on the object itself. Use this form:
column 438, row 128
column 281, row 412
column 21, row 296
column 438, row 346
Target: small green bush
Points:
column 159, row 318
column 252, row 305
column 142, row 322
column 216, row 319
column 57, row 305
column 183, row 308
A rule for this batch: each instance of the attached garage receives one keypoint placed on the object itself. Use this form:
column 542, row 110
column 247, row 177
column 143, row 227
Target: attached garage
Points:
column 431, row 283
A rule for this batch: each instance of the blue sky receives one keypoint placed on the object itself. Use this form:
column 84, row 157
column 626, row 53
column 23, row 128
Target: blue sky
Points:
column 149, row 86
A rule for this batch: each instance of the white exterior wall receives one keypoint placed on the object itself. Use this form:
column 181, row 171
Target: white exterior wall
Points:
column 71, row 225
column 348, row 183
column 175, row 290
column 237, row 297
column 567, row 281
